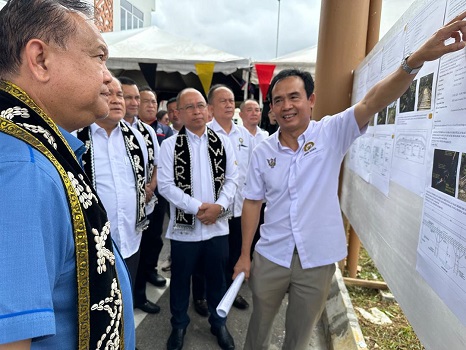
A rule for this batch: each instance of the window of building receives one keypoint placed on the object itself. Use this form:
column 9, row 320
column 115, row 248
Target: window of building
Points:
column 131, row 16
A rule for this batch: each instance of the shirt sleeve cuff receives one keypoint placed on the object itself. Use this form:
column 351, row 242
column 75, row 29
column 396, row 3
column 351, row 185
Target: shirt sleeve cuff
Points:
column 193, row 206
column 34, row 324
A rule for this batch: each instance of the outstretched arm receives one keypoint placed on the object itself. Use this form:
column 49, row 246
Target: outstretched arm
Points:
column 393, row 86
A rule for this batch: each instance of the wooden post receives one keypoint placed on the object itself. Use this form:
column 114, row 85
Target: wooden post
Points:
column 373, row 30
column 357, row 282
column 354, row 246
column 341, row 47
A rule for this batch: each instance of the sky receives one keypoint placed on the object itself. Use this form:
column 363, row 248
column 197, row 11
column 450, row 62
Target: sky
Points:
column 249, row 28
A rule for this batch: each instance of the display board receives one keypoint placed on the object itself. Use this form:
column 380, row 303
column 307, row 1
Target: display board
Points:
column 404, row 181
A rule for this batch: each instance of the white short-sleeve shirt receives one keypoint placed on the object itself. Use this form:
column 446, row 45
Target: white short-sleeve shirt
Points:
column 258, row 137
column 300, row 189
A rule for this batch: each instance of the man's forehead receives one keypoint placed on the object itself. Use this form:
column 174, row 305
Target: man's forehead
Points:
column 293, row 85
column 223, row 92
column 147, row 94
column 251, row 104
column 88, row 31
column 192, row 96
column 114, row 85
column 128, row 89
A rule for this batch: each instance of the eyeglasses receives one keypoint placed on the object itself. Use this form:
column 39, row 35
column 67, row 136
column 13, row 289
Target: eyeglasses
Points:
column 190, row 108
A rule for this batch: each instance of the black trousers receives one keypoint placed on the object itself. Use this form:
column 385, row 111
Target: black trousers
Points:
column 213, row 255
column 235, row 241
column 151, row 246
column 198, row 282
column 132, row 264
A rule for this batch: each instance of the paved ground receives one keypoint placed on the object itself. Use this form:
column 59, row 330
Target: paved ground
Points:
column 152, row 331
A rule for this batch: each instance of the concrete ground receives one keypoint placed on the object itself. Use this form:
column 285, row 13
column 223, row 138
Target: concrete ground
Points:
column 152, row 331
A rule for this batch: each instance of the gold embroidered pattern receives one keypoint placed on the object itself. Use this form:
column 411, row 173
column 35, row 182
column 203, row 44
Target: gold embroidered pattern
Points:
column 82, row 260
column 10, row 124
column 21, row 95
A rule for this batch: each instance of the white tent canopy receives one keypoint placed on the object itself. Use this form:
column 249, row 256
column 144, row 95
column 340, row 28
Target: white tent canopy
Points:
column 171, row 53
column 304, row 59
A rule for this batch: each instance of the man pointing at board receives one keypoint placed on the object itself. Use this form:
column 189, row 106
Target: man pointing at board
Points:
column 296, row 172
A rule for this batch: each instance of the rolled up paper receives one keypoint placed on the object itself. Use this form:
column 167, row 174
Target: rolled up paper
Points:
column 224, row 306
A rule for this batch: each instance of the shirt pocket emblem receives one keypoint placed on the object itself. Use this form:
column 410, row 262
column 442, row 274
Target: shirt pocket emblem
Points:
column 272, row 162
column 308, row 146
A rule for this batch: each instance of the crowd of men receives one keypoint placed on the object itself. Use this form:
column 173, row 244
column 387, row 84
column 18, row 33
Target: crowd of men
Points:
column 89, row 169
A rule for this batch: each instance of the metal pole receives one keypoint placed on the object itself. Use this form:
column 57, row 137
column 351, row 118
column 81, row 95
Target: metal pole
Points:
column 278, row 29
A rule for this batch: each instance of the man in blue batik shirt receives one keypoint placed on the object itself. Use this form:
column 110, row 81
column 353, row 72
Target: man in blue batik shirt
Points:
column 63, row 283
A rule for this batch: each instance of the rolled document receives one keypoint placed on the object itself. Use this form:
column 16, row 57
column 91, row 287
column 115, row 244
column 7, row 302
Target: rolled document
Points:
column 224, row 306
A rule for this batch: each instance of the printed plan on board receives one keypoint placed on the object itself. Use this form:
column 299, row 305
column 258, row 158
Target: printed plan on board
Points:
column 419, row 142
column 442, row 241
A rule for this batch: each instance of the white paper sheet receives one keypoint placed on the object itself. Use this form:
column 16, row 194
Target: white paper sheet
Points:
column 225, row 304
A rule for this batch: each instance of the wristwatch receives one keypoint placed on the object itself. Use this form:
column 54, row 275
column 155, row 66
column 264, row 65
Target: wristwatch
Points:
column 408, row 69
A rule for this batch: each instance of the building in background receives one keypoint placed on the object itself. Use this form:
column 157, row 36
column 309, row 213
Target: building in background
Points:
column 116, row 15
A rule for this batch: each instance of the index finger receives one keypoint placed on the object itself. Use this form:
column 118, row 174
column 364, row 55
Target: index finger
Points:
column 460, row 17
column 453, row 27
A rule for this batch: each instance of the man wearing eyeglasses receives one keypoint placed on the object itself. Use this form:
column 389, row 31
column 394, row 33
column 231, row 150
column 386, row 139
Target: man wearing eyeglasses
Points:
column 197, row 175
column 222, row 107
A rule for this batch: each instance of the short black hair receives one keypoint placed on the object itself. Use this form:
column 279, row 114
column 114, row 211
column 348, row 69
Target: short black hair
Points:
column 47, row 20
column 146, row 88
column 160, row 114
column 171, row 100
column 126, row 81
column 306, row 77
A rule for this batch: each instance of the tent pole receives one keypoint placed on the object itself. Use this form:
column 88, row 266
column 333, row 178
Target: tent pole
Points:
column 246, row 87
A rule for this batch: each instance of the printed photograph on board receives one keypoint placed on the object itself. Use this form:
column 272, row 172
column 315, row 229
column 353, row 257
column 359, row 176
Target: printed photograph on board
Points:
column 462, row 179
column 408, row 99
column 424, row 98
column 391, row 113
column 444, row 171
column 382, row 117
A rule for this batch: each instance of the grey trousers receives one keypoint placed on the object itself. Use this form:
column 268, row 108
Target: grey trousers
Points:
column 308, row 291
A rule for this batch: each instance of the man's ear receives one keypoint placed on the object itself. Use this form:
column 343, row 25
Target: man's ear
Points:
column 36, row 54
